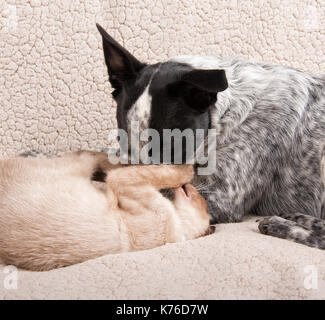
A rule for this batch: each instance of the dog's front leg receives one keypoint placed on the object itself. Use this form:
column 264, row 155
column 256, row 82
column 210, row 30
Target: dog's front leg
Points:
column 306, row 232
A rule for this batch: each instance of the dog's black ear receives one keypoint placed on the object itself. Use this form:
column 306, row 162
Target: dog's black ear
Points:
column 207, row 80
column 121, row 64
column 199, row 87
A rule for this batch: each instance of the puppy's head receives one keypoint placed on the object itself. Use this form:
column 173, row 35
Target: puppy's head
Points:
column 192, row 210
column 167, row 95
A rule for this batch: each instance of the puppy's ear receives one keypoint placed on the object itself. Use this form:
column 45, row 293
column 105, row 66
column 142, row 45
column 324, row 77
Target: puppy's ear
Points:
column 199, row 88
column 121, row 64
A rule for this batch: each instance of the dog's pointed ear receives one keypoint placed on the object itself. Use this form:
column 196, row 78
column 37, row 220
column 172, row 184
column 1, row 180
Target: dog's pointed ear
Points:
column 121, row 64
column 199, row 87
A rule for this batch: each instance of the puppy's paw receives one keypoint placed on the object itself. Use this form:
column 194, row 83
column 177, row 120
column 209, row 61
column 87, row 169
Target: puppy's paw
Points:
column 187, row 173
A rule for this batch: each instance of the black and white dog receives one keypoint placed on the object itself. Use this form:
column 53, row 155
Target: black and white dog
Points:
column 270, row 122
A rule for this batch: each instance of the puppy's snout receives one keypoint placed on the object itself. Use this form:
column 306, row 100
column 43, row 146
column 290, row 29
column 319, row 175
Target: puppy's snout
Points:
column 186, row 191
column 212, row 229
column 190, row 190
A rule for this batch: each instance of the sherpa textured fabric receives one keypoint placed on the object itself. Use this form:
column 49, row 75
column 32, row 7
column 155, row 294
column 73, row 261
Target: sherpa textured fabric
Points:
column 54, row 97
column 236, row 262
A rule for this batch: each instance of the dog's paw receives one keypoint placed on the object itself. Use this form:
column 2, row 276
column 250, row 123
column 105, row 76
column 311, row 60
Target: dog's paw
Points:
column 276, row 227
column 287, row 229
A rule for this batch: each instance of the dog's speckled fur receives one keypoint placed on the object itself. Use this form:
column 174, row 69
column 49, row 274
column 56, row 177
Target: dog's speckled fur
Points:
column 270, row 124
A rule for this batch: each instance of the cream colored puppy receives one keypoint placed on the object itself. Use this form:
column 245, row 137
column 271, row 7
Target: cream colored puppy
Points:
column 52, row 214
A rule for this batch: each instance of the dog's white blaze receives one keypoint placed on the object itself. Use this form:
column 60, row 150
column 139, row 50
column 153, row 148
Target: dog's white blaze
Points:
column 138, row 118
column 141, row 109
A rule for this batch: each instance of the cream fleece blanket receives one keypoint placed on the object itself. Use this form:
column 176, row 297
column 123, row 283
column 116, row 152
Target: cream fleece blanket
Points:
column 55, row 97
column 236, row 262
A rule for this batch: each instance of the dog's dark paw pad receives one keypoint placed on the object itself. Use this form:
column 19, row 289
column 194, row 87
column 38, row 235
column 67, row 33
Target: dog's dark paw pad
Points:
column 264, row 225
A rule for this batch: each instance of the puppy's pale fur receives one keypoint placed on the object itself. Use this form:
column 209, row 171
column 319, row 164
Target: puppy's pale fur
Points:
column 53, row 215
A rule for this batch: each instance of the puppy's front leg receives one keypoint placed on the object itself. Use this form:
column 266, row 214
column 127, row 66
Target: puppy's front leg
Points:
column 158, row 176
